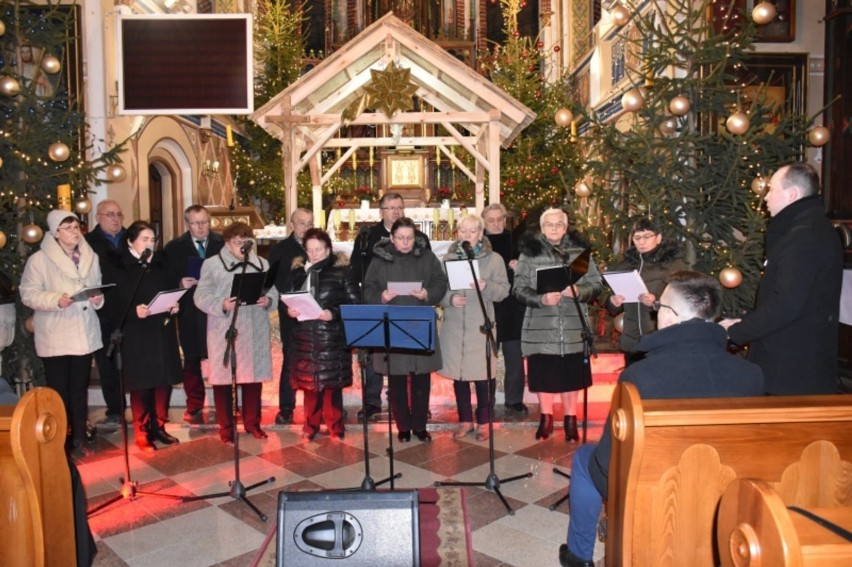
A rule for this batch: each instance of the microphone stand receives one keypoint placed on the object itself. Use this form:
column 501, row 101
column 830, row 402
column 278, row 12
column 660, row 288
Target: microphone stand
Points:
column 492, row 481
column 588, row 352
column 238, row 490
column 129, row 487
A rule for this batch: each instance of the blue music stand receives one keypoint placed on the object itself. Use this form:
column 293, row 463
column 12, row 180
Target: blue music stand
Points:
column 393, row 328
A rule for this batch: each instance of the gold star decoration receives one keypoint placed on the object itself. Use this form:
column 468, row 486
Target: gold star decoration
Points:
column 391, row 90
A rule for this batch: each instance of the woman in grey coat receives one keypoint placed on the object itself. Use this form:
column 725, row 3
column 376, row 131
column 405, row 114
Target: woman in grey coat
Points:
column 551, row 338
column 461, row 335
column 253, row 353
column 404, row 257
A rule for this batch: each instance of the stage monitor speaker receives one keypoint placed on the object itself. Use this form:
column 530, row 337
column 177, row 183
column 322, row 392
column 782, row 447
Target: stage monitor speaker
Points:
column 353, row 528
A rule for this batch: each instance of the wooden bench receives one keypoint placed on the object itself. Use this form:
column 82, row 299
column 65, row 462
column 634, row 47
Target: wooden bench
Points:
column 756, row 528
column 672, row 460
column 37, row 521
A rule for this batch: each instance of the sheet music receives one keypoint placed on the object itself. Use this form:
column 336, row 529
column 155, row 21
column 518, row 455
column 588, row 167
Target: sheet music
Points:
column 164, row 301
column 404, row 288
column 626, row 284
column 304, row 303
column 458, row 272
column 87, row 292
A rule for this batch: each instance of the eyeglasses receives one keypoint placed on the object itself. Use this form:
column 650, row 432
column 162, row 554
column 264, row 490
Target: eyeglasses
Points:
column 657, row 306
column 403, row 238
column 71, row 228
column 238, row 243
column 552, row 225
column 394, row 209
column 643, row 237
column 112, row 215
column 199, row 223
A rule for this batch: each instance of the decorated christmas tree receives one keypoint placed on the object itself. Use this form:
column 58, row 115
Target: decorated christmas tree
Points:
column 47, row 157
column 695, row 146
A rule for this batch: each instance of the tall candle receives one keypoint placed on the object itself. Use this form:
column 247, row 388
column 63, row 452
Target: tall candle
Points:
column 229, row 136
column 351, row 219
column 354, row 161
column 63, row 196
column 451, row 218
column 436, row 216
column 371, row 156
column 573, row 128
column 322, row 219
column 437, row 155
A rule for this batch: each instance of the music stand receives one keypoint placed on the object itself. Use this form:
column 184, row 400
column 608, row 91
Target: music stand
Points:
column 391, row 327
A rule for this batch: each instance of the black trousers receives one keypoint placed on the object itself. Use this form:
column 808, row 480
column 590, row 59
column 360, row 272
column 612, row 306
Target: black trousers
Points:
column 286, row 395
column 462, row 390
column 193, row 384
column 412, row 416
column 150, row 408
column 224, row 400
column 69, row 376
column 108, row 374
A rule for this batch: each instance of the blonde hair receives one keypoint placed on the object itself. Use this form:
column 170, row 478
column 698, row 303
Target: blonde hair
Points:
column 553, row 211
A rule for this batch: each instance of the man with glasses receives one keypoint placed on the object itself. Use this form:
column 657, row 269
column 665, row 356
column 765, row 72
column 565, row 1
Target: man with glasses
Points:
column 281, row 258
column 391, row 208
column 184, row 255
column 686, row 358
column 107, row 239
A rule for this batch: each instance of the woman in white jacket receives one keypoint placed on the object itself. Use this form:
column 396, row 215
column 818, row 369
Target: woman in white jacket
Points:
column 67, row 332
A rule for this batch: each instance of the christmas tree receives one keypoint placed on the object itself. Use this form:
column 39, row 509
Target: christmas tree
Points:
column 695, row 146
column 543, row 161
column 46, row 153
column 280, row 53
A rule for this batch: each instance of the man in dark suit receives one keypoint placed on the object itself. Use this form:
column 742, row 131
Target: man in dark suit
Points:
column 107, row 240
column 281, row 258
column 183, row 257
column 391, row 208
column 793, row 329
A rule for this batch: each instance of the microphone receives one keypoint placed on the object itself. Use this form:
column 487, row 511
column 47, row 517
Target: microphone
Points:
column 468, row 249
column 245, row 248
column 143, row 257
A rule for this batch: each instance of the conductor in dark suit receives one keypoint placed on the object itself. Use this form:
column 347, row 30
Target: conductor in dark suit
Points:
column 198, row 242
column 281, row 258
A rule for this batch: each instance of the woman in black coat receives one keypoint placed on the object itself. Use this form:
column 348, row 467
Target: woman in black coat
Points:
column 150, row 359
column 320, row 362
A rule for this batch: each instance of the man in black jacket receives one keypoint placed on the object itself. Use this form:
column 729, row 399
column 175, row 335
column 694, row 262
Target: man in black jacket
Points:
column 107, row 240
column 281, row 258
column 793, row 330
column 184, row 255
column 685, row 358
column 391, row 208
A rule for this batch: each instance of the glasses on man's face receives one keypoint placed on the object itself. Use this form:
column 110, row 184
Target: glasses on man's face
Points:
column 643, row 237
column 113, row 215
column 70, row 228
column 403, row 238
column 393, row 209
column 199, row 223
column 657, row 306
column 553, row 225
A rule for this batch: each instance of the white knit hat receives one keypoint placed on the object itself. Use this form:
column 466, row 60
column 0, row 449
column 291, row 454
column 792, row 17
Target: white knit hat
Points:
column 55, row 218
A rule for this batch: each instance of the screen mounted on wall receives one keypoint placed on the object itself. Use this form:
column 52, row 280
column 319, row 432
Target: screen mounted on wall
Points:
column 197, row 64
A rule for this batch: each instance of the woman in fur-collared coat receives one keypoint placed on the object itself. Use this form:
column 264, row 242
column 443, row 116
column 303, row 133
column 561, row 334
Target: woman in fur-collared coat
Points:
column 320, row 361
column 404, row 257
column 551, row 338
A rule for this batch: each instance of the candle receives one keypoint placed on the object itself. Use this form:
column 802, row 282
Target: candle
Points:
column 351, row 219
column 322, row 219
column 63, row 196
column 451, row 218
column 437, row 155
column 337, row 153
column 436, row 216
column 371, row 158
column 229, row 136
column 354, row 161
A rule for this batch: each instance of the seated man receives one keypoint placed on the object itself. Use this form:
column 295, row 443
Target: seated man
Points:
column 685, row 358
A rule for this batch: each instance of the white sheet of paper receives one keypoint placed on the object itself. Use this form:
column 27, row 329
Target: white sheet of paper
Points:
column 304, row 303
column 458, row 272
column 404, row 288
column 164, row 301
column 627, row 284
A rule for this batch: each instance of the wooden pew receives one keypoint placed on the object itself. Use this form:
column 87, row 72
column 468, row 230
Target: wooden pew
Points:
column 672, row 460
column 37, row 522
column 757, row 529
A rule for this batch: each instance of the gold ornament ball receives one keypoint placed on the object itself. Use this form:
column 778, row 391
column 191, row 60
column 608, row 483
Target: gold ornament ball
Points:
column 1, row 162
column 632, row 100
column 9, row 86
column 116, row 173
column 82, row 206
column 50, row 65
column 582, row 189
column 3, row 239
column 763, row 13
column 737, row 123
column 564, row 117
column 679, row 105
column 818, row 136
column 758, row 185
column 32, row 234
column 668, row 126
column 2, row 27
column 59, row 152
column 620, row 15
column 618, row 322
column 730, row 277
column 28, row 325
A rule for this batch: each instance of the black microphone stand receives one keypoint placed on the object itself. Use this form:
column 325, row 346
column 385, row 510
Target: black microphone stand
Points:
column 363, row 359
column 238, row 490
column 492, row 482
column 129, row 487
column 588, row 352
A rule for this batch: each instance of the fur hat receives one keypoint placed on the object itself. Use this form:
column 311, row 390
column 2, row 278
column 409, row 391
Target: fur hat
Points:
column 57, row 217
